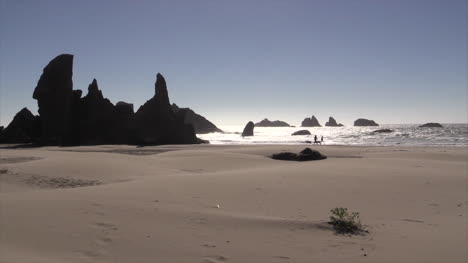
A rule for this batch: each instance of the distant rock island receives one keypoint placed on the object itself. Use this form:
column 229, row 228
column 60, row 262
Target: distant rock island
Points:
column 199, row 123
column 431, row 125
column 310, row 122
column 249, row 129
column 332, row 123
column 267, row 123
column 365, row 122
column 301, row 132
column 65, row 118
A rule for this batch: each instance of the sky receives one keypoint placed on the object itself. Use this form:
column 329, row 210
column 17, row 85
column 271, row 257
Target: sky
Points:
column 398, row 61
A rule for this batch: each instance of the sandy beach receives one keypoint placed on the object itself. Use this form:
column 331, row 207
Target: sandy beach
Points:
column 160, row 204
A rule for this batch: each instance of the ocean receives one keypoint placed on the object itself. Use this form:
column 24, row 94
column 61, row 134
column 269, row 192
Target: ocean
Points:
column 403, row 134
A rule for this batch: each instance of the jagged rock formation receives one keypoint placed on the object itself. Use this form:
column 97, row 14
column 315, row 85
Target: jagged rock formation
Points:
column 249, row 129
column 431, row 125
column 66, row 118
column 54, row 97
column 332, row 123
column 383, row 131
column 305, row 155
column 155, row 122
column 310, row 122
column 301, row 132
column 22, row 129
column 365, row 122
column 267, row 123
column 199, row 123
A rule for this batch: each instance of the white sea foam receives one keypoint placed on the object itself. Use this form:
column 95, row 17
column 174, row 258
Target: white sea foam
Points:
column 403, row 134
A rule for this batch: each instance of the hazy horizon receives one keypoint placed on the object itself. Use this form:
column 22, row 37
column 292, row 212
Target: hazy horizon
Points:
column 395, row 62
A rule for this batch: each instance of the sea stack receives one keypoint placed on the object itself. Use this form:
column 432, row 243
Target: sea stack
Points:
column 332, row 123
column 249, row 129
column 54, row 98
column 310, row 122
column 267, row 123
column 365, row 122
column 96, row 117
column 155, row 123
column 301, row 132
column 431, row 125
column 24, row 128
column 200, row 123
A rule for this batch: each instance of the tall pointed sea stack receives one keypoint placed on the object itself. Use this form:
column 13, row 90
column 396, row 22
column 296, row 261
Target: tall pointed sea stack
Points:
column 156, row 123
column 54, row 98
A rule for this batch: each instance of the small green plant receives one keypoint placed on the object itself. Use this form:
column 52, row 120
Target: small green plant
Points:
column 345, row 222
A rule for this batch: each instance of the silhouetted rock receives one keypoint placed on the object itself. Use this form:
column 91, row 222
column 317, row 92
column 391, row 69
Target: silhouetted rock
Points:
column 54, row 97
column 68, row 119
column 199, row 123
column 332, row 123
column 365, row 122
column 301, row 132
column 123, row 108
column 310, row 122
column 24, row 128
column 305, row 155
column 431, row 125
column 249, row 129
column 383, row 131
column 155, row 123
column 97, row 118
column 267, row 123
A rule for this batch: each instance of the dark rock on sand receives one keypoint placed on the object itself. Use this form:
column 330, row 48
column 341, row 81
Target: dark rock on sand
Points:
column 365, row 122
column 267, row 123
column 155, row 123
column 24, row 128
column 54, row 98
column 332, row 123
column 310, row 122
column 301, row 132
column 249, row 129
column 305, row 155
column 68, row 119
column 96, row 117
column 200, row 123
column 431, row 125
column 383, row 131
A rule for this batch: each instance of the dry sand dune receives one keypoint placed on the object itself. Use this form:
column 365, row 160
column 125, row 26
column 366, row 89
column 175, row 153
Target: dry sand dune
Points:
column 159, row 204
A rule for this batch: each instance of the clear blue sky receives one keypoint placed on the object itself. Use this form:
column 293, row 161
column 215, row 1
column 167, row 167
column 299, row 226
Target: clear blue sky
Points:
column 394, row 61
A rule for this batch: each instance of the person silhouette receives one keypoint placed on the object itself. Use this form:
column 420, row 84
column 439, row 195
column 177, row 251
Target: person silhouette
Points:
column 321, row 139
column 315, row 139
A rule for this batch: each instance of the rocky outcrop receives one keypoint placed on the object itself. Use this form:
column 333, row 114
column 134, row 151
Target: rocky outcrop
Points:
column 65, row 118
column 301, row 132
column 96, row 117
column 24, row 128
column 365, row 122
column 199, row 123
column 332, row 123
column 431, row 125
column 155, row 123
column 267, row 123
column 310, row 122
column 383, row 131
column 305, row 155
column 249, row 129
column 54, row 98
